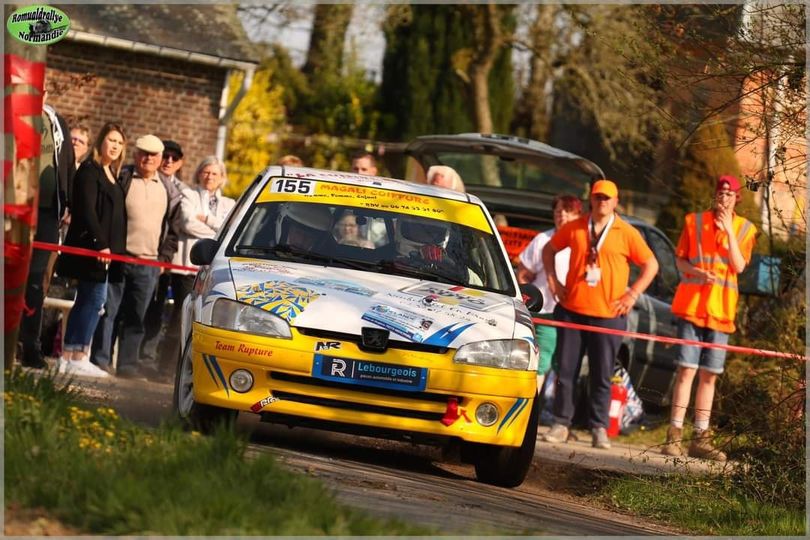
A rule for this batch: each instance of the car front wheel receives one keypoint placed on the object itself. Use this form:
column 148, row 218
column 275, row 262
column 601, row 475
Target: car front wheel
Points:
column 506, row 466
column 193, row 415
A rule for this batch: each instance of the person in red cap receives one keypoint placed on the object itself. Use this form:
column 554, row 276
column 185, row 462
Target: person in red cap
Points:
column 714, row 248
column 595, row 294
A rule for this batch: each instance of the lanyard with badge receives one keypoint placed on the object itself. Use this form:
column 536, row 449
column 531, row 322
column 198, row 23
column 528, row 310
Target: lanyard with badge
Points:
column 593, row 274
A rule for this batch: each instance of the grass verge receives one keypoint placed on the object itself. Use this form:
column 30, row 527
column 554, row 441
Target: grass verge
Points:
column 701, row 505
column 696, row 504
column 104, row 475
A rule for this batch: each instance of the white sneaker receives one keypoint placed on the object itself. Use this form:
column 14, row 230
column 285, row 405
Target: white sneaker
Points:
column 62, row 364
column 84, row 368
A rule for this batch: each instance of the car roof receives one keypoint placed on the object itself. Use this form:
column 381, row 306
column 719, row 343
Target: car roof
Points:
column 499, row 145
column 350, row 178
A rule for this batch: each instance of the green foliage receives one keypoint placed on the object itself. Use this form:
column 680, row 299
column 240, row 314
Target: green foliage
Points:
column 422, row 92
column 702, row 506
column 106, row 476
column 763, row 401
column 324, row 110
column 708, row 155
column 250, row 147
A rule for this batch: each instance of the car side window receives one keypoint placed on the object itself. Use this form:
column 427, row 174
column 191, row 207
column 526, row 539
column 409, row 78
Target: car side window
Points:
column 668, row 277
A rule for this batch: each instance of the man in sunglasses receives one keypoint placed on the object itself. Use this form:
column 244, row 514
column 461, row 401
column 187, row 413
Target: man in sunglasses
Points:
column 595, row 293
column 169, row 171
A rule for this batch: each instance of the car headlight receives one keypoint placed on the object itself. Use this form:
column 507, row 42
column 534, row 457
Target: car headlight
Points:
column 231, row 315
column 499, row 353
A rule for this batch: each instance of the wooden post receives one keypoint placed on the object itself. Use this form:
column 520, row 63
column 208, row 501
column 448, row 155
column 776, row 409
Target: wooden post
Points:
column 24, row 77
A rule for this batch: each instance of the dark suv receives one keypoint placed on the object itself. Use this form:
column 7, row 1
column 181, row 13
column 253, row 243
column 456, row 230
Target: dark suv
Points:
column 518, row 178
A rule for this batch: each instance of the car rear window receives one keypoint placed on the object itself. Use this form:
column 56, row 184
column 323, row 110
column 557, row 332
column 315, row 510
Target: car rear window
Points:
column 544, row 175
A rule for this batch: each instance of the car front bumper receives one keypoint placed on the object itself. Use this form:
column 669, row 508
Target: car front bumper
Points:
column 284, row 384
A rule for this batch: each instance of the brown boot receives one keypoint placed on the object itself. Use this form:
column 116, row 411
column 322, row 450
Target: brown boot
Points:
column 702, row 447
column 673, row 445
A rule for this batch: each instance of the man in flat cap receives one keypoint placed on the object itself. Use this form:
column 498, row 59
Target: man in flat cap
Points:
column 169, row 171
column 150, row 202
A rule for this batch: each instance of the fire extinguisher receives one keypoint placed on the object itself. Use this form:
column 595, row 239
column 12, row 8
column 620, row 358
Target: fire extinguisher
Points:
column 618, row 400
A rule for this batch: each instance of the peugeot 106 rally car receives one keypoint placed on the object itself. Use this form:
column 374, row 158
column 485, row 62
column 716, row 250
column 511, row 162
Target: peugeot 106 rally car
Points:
column 365, row 305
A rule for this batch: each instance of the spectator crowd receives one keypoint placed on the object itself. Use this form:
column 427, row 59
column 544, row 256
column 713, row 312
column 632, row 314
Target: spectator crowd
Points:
column 91, row 198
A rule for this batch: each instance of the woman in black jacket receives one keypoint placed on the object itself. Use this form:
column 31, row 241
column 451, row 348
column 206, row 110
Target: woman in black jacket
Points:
column 98, row 222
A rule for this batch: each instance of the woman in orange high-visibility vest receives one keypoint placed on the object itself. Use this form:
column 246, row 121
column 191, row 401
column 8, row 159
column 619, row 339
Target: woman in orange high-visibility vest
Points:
column 714, row 248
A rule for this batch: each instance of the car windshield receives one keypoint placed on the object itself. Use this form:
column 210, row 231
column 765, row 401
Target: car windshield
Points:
column 544, row 175
column 387, row 242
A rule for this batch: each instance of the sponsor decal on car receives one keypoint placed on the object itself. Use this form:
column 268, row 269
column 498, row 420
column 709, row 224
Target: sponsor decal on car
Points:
column 454, row 295
column 281, row 298
column 244, row 348
column 327, row 345
column 258, row 266
column 400, row 321
column 337, row 285
column 375, row 198
column 261, row 404
column 366, row 373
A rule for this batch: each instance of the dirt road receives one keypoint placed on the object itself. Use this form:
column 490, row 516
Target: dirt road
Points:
column 398, row 480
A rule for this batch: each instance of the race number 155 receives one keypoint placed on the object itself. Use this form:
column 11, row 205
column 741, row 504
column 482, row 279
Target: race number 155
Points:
column 293, row 185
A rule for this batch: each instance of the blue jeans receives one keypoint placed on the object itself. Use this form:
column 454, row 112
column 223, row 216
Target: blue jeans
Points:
column 83, row 318
column 131, row 297
column 692, row 356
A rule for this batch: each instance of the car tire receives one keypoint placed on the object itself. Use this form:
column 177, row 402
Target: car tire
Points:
column 193, row 415
column 507, row 466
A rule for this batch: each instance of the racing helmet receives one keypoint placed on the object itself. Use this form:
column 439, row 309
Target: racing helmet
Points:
column 412, row 235
column 312, row 219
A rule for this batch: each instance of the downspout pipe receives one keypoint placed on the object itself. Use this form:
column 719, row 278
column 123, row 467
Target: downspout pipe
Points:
column 226, row 111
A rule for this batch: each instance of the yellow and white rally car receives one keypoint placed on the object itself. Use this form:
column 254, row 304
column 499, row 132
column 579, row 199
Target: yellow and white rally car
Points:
column 366, row 305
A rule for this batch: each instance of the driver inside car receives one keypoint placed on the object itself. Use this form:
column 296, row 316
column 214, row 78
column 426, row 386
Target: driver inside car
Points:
column 303, row 226
column 427, row 243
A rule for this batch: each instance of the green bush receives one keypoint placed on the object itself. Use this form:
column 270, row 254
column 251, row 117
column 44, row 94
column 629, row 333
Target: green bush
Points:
column 763, row 402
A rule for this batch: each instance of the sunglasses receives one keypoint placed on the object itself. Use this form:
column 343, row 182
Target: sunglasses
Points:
column 171, row 157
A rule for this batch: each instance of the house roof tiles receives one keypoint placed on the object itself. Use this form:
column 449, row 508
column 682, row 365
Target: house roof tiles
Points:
column 212, row 29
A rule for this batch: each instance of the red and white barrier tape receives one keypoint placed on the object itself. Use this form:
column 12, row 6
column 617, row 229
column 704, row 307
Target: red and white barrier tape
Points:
column 635, row 335
column 670, row 340
column 47, row 246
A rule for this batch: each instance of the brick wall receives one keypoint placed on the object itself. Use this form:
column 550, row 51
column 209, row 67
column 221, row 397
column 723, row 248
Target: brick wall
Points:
column 146, row 93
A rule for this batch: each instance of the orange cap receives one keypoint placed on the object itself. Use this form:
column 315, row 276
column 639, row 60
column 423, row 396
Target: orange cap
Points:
column 605, row 187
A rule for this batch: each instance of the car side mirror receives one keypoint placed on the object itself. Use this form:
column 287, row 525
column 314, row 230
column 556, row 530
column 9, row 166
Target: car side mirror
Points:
column 532, row 296
column 203, row 251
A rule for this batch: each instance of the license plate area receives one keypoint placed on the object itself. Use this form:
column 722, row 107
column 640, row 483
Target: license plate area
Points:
column 367, row 373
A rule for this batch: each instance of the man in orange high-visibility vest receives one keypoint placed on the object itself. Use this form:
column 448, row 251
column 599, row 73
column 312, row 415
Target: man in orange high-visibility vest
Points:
column 714, row 248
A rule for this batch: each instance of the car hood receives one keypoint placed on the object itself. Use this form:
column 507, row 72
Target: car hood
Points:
column 345, row 300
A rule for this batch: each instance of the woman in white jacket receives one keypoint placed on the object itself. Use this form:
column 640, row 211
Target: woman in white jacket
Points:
column 203, row 210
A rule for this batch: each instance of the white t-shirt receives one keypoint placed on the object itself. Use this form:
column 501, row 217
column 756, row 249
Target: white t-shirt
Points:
column 532, row 258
